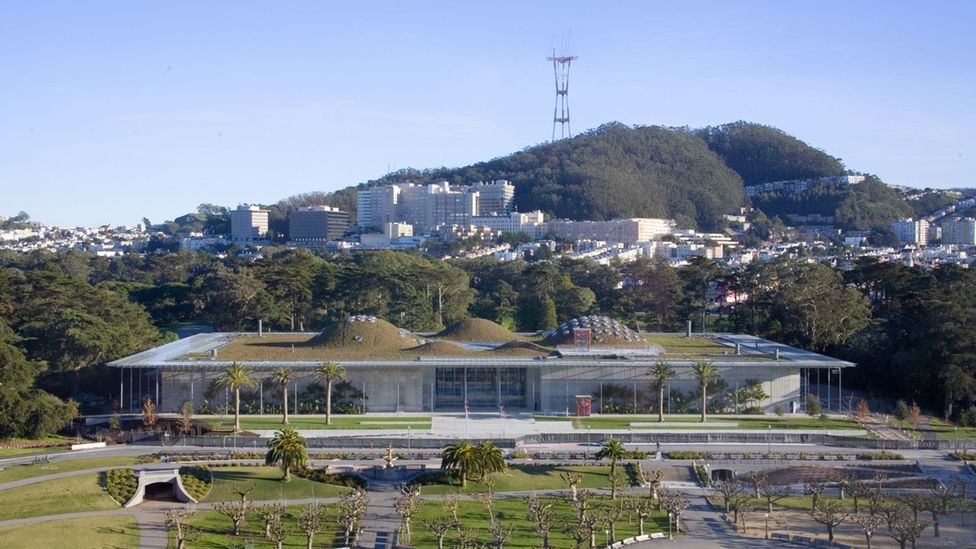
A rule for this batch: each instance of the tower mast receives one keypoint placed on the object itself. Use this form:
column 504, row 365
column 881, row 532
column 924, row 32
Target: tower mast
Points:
column 560, row 113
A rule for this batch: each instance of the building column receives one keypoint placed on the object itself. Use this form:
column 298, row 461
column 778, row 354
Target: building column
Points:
column 498, row 388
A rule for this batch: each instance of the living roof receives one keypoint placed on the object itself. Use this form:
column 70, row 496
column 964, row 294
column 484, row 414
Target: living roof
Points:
column 478, row 330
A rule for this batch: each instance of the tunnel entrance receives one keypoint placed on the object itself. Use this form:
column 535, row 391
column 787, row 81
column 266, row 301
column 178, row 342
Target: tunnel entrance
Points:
column 722, row 474
column 160, row 491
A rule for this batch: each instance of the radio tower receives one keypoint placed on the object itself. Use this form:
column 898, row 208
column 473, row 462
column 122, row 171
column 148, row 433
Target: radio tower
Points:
column 560, row 113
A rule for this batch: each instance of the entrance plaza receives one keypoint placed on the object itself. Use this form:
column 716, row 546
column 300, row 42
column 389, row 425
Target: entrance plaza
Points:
column 475, row 365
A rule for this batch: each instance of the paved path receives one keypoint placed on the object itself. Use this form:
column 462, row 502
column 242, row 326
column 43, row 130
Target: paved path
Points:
column 380, row 525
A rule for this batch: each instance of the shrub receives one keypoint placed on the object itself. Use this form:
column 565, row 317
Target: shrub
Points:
column 963, row 455
column 685, row 454
column 702, row 475
column 880, row 456
column 198, row 480
column 813, row 406
column 121, row 484
column 517, row 454
column 902, row 411
column 778, row 410
column 968, row 417
column 337, row 479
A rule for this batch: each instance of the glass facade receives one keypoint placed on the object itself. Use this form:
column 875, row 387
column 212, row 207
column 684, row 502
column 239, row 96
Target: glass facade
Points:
column 484, row 388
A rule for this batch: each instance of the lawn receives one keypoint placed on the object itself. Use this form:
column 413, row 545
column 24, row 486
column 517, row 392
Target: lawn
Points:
column 511, row 513
column 267, row 485
column 67, row 495
column 318, row 422
column 794, row 503
column 692, row 422
column 214, row 531
column 60, row 443
column 18, row 472
column 946, row 431
column 119, row 532
column 531, row 477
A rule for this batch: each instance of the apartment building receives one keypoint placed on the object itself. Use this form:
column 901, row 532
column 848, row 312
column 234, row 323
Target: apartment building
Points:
column 317, row 224
column 626, row 231
column 248, row 223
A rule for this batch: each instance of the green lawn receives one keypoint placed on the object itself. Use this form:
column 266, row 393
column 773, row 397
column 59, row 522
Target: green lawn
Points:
column 215, row 528
column 338, row 422
column 267, row 485
column 692, row 422
column 532, row 477
column 119, row 532
column 10, row 452
column 512, row 514
column 795, row 503
column 67, row 495
column 18, row 472
column 946, row 431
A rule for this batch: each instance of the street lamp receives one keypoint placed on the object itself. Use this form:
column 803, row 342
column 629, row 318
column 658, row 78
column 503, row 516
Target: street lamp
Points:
column 670, row 517
column 769, row 441
column 767, row 525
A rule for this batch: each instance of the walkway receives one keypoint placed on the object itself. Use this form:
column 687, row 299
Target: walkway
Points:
column 380, row 525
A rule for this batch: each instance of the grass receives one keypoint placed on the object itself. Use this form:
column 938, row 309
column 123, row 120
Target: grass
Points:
column 692, row 422
column 105, row 532
column 267, row 485
column 945, row 431
column 14, row 452
column 56, row 443
column 679, row 345
column 214, row 531
column 529, row 478
column 66, row 495
column 512, row 514
column 19, row 472
column 318, row 422
column 793, row 503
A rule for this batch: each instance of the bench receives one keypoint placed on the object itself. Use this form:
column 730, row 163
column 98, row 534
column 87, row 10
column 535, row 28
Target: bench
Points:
column 41, row 459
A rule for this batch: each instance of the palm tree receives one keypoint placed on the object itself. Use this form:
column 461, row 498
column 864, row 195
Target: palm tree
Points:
column 705, row 373
column 460, row 457
column 489, row 459
column 234, row 377
column 612, row 450
column 283, row 376
column 329, row 372
column 287, row 449
column 661, row 372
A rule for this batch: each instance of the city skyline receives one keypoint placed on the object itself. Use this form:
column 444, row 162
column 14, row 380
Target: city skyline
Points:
column 113, row 113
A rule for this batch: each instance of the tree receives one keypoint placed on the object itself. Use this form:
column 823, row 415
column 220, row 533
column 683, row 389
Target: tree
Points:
column 904, row 526
column 829, row 513
column 661, row 372
column 613, row 450
column 149, row 417
column 350, row 510
column 705, row 373
column 488, row 459
column 287, row 449
column 235, row 377
column 236, row 510
column 282, row 377
column 870, row 524
column 329, row 372
column 461, row 457
column 573, row 480
column 271, row 514
column 278, row 533
column 642, row 507
column 813, row 406
column 408, row 505
column 542, row 515
column 674, row 503
column 175, row 518
column 500, row 533
column 185, row 422
column 862, row 412
column 768, row 491
column 311, row 520
column 439, row 527
column 816, row 488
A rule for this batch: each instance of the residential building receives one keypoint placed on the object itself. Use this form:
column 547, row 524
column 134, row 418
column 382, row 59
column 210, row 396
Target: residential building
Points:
column 376, row 206
column 497, row 197
column 248, row 223
column 911, row 231
column 625, row 231
column 531, row 223
column 959, row 230
column 317, row 224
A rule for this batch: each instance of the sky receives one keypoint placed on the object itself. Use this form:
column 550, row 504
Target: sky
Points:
column 115, row 111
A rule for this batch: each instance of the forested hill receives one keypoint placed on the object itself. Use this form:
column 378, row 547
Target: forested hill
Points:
column 692, row 175
column 613, row 171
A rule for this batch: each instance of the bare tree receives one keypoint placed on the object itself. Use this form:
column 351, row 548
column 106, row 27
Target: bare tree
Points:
column 816, row 488
column 945, row 500
column 617, row 481
column 862, row 412
column 175, row 518
column 829, row 513
column 642, row 508
column 278, row 533
column 236, row 510
column 350, row 510
column 270, row 514
column 500, row 533
column 311, row 519
column 770, row 492
column 488, row 503
column 743, row 508
column 904, row 526
column 877, row 496
column 609, row 517
column 674, row 503
column 450, row 504
column 582, row 504
column 439, row 527
column 407, row 505
column 655, row 476
column 573, row 480
column 729, row 489
column 857, row 491
column 541, row 515
column 870, row 524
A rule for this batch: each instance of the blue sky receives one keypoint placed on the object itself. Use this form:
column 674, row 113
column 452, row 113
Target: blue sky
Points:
column 111, row 111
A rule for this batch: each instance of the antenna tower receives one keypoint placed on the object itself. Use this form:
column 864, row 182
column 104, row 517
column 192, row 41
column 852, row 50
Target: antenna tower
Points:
column 560, row 113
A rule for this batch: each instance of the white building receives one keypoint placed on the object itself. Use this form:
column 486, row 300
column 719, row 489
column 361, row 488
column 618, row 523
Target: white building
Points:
column 377, row 205
column 248, row 223
column 497, row 197
column 625, row 231
column 960, row 231
column 532, row 223
column 911, row 231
